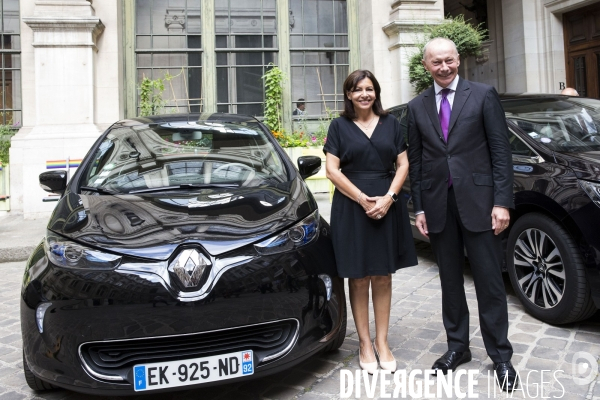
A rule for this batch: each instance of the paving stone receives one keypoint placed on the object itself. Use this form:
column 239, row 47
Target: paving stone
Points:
column 477, row 342
column 406, row 355
column 415, row 344
column 421, row 314
column 556, row 344
column 12, row 396
column 427, row 334
column 280, row 392
column 10, row 338
column 519, row 348
column 300, row 378
column 522, row 338
column 439, row 348
column 313, row 396
column 583, row 346
column 587, row 337
column 559, row 332
column 544, row 352
column 529, row 327
column 539, row 364
column 330, row 385
column 573, row 388
column 317, row 366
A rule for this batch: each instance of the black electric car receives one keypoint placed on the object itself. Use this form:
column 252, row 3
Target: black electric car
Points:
column 185, row 251
column 553, row 242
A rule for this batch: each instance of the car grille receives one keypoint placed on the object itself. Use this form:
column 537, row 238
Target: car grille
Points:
column 113, row 360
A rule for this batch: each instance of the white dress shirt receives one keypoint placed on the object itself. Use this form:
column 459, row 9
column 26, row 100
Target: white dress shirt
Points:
column 450, row 96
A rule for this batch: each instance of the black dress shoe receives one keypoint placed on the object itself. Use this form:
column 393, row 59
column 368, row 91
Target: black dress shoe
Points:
column 450, row 360
column 506, row 375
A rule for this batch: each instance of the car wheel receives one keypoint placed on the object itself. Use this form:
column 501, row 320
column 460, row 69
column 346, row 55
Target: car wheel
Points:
column 337, row 342
column 33, row 381
column 546, row 271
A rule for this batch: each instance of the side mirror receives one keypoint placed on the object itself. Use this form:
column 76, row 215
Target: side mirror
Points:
column 309, row 165
column 54, row 181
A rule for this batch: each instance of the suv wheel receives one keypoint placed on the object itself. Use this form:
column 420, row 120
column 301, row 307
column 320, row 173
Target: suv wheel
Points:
column 546, row 271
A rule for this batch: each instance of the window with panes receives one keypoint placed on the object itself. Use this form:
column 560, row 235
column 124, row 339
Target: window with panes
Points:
column 246, row 41
column 168, row 44
column 319, row 53
column 10, row 100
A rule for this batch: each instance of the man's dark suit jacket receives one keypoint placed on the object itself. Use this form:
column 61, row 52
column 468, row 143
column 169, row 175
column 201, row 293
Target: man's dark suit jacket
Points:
column 477, row 155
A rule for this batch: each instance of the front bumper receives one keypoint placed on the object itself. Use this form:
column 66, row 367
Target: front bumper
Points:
column 110, row 307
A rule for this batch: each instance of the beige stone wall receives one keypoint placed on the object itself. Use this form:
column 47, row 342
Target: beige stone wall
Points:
column 71, row 90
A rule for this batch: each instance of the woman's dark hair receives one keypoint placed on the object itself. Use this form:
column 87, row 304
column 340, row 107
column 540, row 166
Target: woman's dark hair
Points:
column 350, row 84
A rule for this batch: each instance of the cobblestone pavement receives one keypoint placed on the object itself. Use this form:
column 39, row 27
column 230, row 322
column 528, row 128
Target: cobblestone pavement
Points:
column 416, row 337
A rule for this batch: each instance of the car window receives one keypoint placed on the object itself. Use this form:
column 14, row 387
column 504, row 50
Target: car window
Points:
column 560, row 123
column 172, row 154
column 518, row 147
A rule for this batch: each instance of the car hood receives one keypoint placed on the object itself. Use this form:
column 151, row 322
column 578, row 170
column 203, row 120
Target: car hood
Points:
column 153, row 225
column 585, row 164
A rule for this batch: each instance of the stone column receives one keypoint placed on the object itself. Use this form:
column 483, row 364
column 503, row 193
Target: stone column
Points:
column 404, row 29
column 59, row 103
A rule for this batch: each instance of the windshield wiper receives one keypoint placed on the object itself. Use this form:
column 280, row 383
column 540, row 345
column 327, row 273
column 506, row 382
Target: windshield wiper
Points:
column 97, row 190
column 186, row 186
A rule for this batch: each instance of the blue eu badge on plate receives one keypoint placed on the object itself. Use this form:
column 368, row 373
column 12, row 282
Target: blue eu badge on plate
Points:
column 139, row 373
column 247, row 368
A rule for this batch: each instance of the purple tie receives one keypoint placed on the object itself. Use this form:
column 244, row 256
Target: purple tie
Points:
column 444, row 116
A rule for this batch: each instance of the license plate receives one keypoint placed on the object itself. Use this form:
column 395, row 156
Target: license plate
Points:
column 193, row 371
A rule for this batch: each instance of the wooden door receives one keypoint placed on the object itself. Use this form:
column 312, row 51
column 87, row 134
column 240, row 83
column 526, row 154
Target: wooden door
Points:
column 582, row 50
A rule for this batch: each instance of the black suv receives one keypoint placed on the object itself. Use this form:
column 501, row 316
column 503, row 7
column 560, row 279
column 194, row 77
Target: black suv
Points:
column 553, row 242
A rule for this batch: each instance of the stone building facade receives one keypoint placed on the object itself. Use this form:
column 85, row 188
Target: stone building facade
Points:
column 81, row 61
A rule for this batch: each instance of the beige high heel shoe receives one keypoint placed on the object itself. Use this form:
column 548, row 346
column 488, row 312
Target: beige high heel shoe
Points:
column 387, row 365
column 370, row 367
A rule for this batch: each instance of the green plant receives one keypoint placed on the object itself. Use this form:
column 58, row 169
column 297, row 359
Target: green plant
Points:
column 467, row 38
column 6, row 133
column 302, row 137
column 151, row 94
column 273, row 78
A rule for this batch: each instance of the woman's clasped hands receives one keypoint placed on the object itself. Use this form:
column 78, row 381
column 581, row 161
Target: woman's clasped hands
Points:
column 376, row 207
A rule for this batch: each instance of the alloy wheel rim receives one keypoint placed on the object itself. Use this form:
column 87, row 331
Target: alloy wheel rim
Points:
column 539, row 268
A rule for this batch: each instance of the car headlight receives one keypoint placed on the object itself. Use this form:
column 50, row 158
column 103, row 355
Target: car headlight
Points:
column 68, row 254
column 592, row 189
column 301, row 234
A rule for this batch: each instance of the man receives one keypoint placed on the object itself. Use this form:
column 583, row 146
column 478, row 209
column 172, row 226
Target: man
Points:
column 569, row 91
column 461, row 183
column 300, row 106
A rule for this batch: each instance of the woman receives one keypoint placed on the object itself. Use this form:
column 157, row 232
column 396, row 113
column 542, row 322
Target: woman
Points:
column 367, row 163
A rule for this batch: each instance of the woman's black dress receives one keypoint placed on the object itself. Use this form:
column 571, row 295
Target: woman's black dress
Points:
column 364, row 246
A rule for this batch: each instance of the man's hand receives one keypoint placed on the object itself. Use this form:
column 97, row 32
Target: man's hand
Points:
column 500, row 219
column 421, row 224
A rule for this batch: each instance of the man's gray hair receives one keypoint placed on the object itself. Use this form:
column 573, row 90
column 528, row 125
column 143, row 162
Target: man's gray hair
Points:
column 438, row 39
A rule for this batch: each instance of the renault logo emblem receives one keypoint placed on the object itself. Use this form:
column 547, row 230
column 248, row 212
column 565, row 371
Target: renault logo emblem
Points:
column 189, row 266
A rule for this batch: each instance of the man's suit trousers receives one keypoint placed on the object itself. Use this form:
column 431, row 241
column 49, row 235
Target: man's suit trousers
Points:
column 484, row 250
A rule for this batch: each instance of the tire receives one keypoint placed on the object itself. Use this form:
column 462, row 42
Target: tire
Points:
column 547, row 272
column 341, row 336
column 33, row 381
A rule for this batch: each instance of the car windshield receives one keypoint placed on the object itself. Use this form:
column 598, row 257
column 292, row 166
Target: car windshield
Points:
column 183, row 154
column 563, row 124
